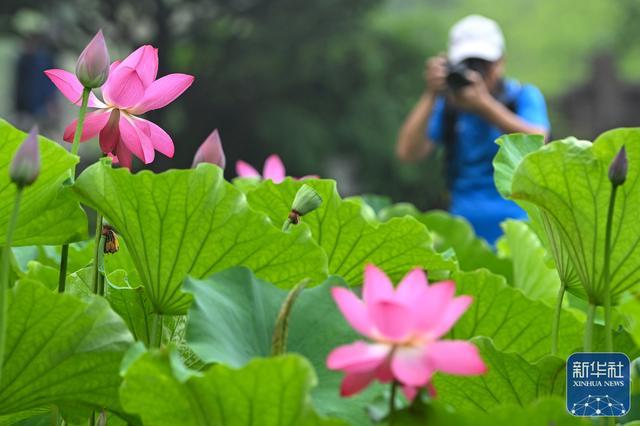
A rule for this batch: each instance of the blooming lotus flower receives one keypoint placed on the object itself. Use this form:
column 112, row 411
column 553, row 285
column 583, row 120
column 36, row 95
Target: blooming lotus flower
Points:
column 273, row 169
column 25, row 166
column 211, row 151
column 405, row 326
column 130, row 90
column 92, row 68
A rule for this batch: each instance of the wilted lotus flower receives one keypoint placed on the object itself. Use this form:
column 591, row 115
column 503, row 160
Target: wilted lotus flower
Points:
column 405, row 326
column 92, row 68
column 273, row 169
column 211, row 151
column 306, row 200
column 25, row 166
column 130, row 90
column 618, row 168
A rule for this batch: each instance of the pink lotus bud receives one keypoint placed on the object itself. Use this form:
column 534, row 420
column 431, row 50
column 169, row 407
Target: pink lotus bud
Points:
column 25, row 166
column 618, row 168
column 211, row 151
column 92, row 68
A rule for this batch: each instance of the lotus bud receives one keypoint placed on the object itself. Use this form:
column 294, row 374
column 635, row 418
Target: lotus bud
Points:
column 618, row 168
column 211, row 151
column 93, row 64
column 25, row 166
column 307, row 200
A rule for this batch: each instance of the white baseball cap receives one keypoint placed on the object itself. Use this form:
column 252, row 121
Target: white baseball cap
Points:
column 475, row 37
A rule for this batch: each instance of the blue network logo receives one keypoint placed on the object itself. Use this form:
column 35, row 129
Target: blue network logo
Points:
column 598, row 384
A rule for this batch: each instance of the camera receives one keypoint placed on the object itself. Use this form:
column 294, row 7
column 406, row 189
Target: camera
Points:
column 457, row 74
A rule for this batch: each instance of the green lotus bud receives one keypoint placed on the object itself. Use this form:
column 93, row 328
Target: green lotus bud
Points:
column 92, row 68
column 618, row 168
column 25, row 166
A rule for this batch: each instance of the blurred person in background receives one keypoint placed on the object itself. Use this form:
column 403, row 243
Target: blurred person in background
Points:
column 34, row 92
column 469, row 103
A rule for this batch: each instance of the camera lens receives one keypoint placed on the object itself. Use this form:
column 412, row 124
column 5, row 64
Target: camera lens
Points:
column 456, row 77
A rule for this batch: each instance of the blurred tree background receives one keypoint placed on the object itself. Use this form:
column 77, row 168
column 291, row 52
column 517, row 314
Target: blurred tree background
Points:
column 324, row 83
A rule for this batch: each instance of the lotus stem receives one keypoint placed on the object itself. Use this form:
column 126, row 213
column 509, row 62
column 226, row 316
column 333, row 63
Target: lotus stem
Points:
column 607, row 258
column 279, row 337
column 4, row 274
column 392, row 402
column 588, row 332
column 62, row 278
column 556, row 320
column 55, row 416
column 156, row 331
column 81, row 114
column 97, row 254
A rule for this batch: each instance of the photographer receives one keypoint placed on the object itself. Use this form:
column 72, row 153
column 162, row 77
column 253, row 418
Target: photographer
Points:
column 467, row 105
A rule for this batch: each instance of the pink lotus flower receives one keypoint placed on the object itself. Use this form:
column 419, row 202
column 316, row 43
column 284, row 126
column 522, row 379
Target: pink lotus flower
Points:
column 405, row 325
column 273, row 169
column 211, row 151
column 130, row 90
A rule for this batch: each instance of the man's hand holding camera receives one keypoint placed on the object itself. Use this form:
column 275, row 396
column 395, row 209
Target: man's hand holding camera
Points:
column 435, row 75
column 475, row 96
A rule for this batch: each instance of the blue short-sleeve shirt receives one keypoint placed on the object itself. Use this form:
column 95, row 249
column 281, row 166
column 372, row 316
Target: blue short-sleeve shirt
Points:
column 473, row 192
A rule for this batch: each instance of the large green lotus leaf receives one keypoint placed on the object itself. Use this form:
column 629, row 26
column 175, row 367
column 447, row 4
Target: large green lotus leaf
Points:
column 513, row 150
column 80, row 254
column 43, row 274
column 266, row 392
column 568, row 180
column 531, row 273
column 397, row 210
column 128, row 301
column 60, row 350
column 126, row 294
column 122, row 261
column 131, row 303
column 350, row 240
column 48, row 213
column 194, row 222
column 629, row 310
column 551, row 237
column 456, row 233
column 510, row 380
column 545, row 411
column 232, row 319
column 519, row 324
column 33, row 417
